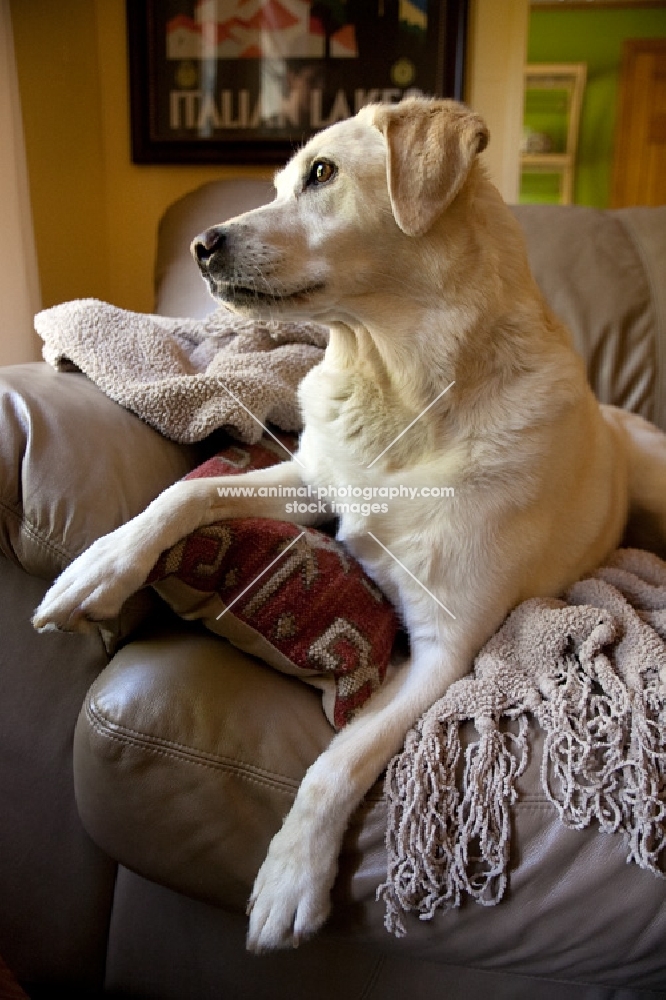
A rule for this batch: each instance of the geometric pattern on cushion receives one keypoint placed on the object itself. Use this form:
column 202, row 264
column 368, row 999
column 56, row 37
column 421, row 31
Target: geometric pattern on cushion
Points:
column 305, row 607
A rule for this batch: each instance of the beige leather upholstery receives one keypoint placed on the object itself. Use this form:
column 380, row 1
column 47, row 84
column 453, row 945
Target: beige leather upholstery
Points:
column 73, row 466
column 603, row 274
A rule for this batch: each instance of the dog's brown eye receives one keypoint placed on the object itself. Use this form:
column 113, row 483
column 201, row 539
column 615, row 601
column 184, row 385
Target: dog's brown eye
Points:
column 321, row 172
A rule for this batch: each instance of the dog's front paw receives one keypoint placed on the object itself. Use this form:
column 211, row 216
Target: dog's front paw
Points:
column 94, row 587
column 291, row 896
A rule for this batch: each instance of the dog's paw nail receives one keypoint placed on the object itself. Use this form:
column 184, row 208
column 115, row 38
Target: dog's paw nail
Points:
column 45, row 626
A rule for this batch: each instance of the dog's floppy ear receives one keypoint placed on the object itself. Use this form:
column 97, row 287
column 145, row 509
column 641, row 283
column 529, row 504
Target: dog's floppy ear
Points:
column 431, row 148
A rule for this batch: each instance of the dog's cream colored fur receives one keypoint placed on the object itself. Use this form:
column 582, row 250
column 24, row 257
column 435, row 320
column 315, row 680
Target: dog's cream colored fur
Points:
column 385, row 228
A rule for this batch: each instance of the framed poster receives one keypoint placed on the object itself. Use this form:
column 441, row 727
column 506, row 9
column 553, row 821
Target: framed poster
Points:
column 248, row 81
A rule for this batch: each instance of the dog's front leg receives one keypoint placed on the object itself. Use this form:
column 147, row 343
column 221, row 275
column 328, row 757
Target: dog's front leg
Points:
column 291, row 895
column 95, row 586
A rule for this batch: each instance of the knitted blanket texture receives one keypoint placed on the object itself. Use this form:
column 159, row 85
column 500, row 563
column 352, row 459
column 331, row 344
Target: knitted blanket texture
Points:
column 591, row 671
column 185, row 377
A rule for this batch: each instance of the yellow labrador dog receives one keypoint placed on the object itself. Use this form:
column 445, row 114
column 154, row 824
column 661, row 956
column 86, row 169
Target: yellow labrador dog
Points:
column 385, row 228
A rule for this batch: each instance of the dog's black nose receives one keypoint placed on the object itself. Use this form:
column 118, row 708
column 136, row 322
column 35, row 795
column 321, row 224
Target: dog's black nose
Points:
column 208, row 243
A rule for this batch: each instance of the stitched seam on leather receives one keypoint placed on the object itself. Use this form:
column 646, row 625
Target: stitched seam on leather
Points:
column 657, row 305
column 183, row 758
column 124, row 734
column 35, row 535
column 535, row 802
column 369, row 988
column 556, row 979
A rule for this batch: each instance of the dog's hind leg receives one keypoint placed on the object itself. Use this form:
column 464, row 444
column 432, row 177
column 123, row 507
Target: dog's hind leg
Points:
column 646, row 472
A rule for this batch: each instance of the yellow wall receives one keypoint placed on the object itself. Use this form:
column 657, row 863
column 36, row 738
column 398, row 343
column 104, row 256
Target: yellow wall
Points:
column 496, row 48
column 19, row 273
column 95, row 212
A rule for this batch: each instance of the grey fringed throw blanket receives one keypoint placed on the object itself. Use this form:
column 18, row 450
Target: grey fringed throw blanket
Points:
column 186, row 378
column 591, row 670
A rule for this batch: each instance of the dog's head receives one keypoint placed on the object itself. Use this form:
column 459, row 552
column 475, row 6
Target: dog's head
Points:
column 350, row 208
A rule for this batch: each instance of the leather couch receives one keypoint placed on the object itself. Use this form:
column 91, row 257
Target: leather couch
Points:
column 129, row 839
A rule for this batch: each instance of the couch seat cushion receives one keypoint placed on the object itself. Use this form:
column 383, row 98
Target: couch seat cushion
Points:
column 188, row 755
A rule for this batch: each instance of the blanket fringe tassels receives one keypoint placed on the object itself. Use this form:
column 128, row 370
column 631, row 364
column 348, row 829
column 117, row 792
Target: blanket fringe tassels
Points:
column 604, row 756
column 591, row 672
column 420, row 835
column 492, row 765
column 442, row 844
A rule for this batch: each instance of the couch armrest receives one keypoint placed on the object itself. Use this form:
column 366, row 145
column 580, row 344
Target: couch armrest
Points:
column 73, row 466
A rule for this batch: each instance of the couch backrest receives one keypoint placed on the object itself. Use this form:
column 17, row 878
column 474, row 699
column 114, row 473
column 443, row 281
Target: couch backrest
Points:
column 179, row 289
column 603, row 273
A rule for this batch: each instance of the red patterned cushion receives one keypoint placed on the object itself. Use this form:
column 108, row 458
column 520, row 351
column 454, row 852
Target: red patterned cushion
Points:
column 305, row 607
